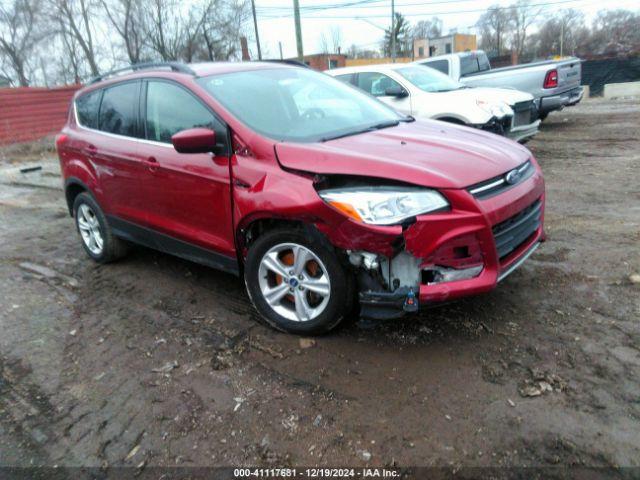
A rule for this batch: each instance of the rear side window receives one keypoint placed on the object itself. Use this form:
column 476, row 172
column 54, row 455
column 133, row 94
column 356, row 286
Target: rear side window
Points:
column 87, row 109
column 468, row 64
column 118, row 111
column 440, row 65
column 483, row 63
column 171, row 109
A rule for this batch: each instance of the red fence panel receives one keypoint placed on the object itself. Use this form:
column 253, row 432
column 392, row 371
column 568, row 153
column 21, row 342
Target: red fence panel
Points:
column 29, row 113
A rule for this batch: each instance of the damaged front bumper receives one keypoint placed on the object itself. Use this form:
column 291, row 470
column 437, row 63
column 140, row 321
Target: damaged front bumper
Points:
column 448, row 255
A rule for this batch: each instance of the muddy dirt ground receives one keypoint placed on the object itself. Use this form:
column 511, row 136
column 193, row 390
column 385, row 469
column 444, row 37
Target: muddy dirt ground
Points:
column 155, row 361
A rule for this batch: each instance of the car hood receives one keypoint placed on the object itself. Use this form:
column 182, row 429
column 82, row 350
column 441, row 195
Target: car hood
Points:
column 424, row 152
column 507, row 95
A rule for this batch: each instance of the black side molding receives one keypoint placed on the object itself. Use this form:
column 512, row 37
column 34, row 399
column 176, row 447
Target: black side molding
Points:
column 167, row 244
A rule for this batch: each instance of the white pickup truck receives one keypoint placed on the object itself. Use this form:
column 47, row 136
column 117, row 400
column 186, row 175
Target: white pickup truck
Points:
column 555, row 84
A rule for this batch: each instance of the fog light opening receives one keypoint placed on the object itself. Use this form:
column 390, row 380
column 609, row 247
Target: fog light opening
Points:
column 437, row 274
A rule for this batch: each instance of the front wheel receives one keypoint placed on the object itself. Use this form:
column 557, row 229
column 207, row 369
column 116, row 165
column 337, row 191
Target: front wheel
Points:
column 296, row 283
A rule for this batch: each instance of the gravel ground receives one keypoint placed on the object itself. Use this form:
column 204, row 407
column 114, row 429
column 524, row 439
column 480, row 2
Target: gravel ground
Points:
column 155, row 361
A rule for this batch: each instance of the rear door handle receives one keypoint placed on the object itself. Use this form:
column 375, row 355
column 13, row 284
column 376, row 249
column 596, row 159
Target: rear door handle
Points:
column 91, row 149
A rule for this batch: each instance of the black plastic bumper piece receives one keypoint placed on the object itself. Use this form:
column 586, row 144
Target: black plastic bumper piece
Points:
column 388, row 305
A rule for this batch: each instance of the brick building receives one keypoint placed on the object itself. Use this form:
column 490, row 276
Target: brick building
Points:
column 456, row 42
column 324, row 61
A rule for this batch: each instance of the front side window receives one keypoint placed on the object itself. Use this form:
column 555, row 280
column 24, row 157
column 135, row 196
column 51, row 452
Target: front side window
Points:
column 87, row 109
column 118, row 110
column 346, row 78
column 171, row 109
column 428, row 79
column 376, row 83
column 296, row 104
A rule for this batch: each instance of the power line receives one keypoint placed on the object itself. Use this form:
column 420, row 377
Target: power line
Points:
column 361, row 5
column 445, row 12
column 326, row 6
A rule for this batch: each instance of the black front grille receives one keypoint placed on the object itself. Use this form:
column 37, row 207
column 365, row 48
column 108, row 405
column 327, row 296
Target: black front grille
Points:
column 524, row 113
column 514, row 231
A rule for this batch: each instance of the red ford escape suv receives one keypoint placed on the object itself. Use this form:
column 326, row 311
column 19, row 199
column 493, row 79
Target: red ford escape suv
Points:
column 318, row 194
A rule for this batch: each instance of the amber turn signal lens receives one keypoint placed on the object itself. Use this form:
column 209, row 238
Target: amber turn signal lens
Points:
column 347, row 209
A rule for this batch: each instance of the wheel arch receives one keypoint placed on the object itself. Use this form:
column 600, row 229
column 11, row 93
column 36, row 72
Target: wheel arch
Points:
column 72, row 188
column 251, row 229
column 452, row 119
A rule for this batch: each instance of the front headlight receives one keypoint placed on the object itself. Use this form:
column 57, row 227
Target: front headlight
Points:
column 383, row 205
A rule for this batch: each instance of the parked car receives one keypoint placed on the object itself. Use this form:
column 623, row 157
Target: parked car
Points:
column 319, row 209
column 426, row 93
column 555, row 84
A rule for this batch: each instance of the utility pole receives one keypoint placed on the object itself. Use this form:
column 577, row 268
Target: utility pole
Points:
column 255, row 26
column 393, row 31
column 296, row 18
column 280, row 47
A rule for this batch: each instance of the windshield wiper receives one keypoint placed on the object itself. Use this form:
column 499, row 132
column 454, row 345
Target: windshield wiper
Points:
column 378, row 126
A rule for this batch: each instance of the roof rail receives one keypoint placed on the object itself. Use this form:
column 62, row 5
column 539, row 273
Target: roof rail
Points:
column 289, row 61
column 174, row 66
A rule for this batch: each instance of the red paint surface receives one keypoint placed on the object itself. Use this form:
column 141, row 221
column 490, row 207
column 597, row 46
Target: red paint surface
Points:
column 209, row 200
column 28, row 113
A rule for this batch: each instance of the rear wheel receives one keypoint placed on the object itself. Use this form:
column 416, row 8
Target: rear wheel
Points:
column 296, row 283
column 97, row 238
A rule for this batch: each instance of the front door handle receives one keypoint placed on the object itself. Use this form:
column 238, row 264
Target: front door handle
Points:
column 152, row 164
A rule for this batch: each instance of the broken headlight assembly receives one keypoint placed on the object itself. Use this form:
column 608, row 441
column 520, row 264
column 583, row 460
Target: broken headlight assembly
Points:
column 384, row 205
column 497, row 109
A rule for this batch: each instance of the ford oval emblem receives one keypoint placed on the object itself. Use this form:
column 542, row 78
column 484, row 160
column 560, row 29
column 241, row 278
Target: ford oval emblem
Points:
column 512, row 177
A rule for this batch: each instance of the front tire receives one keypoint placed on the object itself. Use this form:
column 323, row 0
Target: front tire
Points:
column 296, row 282
column 96, row 235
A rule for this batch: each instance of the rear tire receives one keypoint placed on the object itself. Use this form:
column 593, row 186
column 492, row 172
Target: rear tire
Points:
column 96, row 235
column 308, row 290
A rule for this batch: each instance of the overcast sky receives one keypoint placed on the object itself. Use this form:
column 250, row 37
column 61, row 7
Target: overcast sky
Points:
column 275, row 18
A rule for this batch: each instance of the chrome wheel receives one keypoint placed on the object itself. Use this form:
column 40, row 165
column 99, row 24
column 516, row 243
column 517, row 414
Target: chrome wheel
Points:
column 90, row 229
column 294, row 282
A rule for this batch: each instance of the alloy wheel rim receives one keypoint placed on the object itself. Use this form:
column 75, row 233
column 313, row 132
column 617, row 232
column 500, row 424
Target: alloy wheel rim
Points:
column 90, row 231
column 294, row 282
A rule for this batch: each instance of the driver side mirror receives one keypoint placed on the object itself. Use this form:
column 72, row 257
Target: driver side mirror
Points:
column 396, row 91
column 194, row 140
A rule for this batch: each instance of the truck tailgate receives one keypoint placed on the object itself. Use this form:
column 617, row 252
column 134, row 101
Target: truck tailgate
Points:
column 569, row 74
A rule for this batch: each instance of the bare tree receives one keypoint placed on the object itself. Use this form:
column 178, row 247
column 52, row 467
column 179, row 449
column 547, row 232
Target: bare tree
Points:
column 618, row 28
column 521, row 16
column 336, row 39
column 75, row 18
column 19, row 35
column 494, row 26
column 427, row 28
column 127, row 18
column 323, row 43
column 566, row 27
column 223, row 28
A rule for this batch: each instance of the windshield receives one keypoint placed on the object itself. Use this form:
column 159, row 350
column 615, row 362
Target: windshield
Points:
column 299, row 105
column 428, row 79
